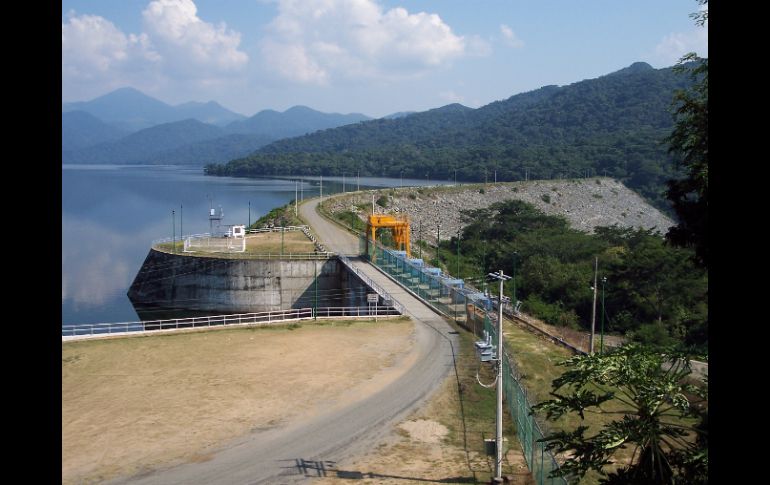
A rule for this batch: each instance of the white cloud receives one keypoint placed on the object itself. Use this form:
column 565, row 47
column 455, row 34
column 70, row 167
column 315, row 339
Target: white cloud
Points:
column 314, row 41
column 175, row 45
column 92, row 47
column 188, row 44
column 510, row 38
column 675, row 45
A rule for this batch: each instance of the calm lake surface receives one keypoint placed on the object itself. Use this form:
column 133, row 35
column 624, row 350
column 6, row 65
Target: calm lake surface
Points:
column 112, row 213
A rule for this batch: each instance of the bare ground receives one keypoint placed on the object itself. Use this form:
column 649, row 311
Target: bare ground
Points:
column 132, row 404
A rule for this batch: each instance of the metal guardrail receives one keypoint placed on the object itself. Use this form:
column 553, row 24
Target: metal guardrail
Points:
column 368, row 281
column 259, row 318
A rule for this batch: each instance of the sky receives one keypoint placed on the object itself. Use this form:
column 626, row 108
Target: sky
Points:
column 374, row 57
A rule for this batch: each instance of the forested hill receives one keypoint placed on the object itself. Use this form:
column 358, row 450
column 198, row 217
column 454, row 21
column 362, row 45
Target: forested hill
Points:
column 613, row 125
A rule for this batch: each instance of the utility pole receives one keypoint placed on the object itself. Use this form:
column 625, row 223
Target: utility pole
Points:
column 593, row 312
column 181, row 232
column 322, row 187
column 173, row 231
column 499, row 418
column 358, row 181
column 343, row 182
column 249, row 213
column 296, row 202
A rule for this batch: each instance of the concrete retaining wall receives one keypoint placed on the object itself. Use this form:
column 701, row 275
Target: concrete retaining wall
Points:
column 218, row 285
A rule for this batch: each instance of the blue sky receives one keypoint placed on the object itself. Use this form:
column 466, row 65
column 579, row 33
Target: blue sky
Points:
column 369, row 56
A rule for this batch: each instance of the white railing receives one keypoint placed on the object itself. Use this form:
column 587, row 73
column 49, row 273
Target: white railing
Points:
column 277, row 229
column 70, row 332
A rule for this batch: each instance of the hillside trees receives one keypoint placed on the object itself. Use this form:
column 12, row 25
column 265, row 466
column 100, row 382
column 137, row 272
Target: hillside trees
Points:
column 689, row 141
column 654, row 292
column 659, row 416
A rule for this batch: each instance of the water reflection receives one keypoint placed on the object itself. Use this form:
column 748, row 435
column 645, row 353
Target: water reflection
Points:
column 111, row 214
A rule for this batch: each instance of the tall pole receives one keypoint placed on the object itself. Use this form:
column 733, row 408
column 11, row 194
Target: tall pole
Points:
column 593, row 312
column 315, row 283
column 601, row 344
column 358, row 181
column 438, row 245
column 343, row 182
column 173, row 232
column 181, row 232
column 499, row 417
column 401, row 184
column 302, row 191
column 322, row 187
column 455, row 177
column 249, row 213
column 283, row 229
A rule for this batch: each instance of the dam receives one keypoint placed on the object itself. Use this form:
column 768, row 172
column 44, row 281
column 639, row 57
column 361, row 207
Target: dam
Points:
column 263, row 270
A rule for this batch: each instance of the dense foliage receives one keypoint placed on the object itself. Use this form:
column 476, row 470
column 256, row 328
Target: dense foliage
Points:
column 689, row 140
column 653, row 291
column 659, row 415
column 613, row 125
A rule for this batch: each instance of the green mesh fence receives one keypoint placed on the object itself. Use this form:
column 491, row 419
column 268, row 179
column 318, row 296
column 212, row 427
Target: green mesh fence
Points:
column 468, row 307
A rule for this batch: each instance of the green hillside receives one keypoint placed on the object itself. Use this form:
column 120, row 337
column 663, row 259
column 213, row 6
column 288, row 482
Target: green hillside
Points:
column 611, row 125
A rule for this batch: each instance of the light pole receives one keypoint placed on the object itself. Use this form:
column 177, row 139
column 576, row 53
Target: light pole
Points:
column 455, row 177
column 173, row 231
column 438, row 245
column 249, row 214
column 601, row 344
column 181, row 232
column 401, row 184
column 499, row 417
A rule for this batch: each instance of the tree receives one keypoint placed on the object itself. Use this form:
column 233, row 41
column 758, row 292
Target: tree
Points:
column 689, row 140
column 645, row 387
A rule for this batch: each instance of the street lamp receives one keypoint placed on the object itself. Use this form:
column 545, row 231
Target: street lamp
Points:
column 499, row 416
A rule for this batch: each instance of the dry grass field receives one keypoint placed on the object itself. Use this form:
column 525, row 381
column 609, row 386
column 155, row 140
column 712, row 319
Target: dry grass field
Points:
column 131, row 404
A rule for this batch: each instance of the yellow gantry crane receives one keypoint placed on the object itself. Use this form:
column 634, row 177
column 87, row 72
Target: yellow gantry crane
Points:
column 399, row 226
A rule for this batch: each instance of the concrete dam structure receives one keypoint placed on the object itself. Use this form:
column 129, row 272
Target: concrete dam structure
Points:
column 168, row 283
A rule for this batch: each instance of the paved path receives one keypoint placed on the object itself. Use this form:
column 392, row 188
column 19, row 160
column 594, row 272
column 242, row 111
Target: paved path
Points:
column 276, row 456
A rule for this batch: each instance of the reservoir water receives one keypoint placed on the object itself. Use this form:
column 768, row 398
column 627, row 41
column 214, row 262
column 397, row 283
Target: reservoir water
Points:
column 112, row 213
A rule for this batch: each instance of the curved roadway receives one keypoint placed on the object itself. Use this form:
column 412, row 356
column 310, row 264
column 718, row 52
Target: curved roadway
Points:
column 280, row 455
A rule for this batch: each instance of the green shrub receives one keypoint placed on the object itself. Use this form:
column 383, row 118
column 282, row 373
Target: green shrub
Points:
column 546, row 198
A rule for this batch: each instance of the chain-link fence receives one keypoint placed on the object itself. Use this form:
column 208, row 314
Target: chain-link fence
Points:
column 471, row 309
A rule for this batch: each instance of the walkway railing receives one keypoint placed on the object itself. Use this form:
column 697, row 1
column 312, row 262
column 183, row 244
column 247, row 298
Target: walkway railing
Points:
column 374, row 286
column 260, row 318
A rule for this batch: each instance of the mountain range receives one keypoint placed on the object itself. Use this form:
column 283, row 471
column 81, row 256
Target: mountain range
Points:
column 613, row 125
column 127, row 126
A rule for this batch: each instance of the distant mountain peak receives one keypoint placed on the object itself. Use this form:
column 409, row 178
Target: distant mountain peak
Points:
column 634, row 68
